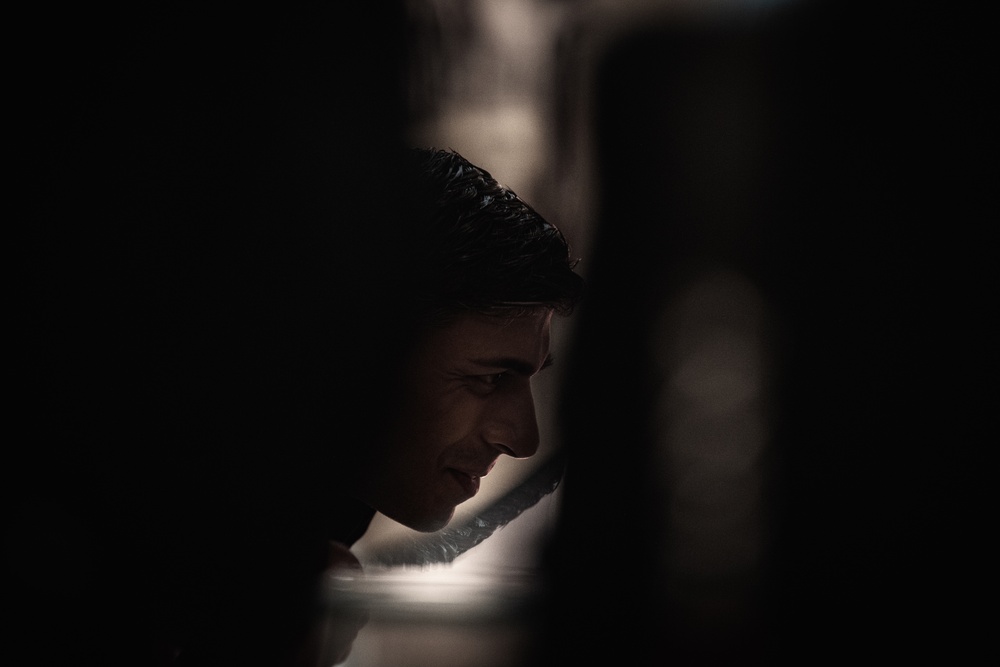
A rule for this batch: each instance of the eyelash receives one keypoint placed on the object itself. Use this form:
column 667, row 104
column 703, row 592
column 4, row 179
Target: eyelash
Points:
column 493, row 379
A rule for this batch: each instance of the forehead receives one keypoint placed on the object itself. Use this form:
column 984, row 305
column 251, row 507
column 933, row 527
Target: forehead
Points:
column 482, row 337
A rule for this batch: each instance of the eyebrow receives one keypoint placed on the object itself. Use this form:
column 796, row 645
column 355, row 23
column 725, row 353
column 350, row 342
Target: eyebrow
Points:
column 518, row 365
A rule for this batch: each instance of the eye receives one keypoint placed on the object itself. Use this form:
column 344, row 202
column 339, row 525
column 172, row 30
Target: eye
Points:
column 493, row 379
column 488, row 383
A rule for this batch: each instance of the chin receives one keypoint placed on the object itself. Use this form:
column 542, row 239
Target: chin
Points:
column 428, row 524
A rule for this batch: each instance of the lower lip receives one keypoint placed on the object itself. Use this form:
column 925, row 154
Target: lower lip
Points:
column 468, row 483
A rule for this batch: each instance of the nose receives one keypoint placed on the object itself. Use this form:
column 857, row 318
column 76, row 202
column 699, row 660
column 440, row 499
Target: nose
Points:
column 510, row 424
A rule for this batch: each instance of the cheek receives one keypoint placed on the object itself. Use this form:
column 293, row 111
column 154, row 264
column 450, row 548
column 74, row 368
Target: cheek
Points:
column 441, row 420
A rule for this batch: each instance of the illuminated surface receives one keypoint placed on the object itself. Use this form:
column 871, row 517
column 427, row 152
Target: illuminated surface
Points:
column 475, row 610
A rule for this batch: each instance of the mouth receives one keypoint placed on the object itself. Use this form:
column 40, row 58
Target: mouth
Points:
column 467, row 480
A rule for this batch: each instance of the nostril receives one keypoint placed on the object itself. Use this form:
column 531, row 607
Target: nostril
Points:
column 506, row 450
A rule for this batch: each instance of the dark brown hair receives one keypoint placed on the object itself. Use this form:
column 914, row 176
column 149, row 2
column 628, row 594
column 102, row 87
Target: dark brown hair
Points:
column 471, row 244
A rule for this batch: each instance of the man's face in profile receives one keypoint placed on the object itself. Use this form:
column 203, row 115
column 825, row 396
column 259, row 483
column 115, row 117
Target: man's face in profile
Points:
column 467, row 401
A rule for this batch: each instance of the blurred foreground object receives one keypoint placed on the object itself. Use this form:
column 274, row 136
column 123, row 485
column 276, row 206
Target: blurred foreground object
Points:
column 775, row 405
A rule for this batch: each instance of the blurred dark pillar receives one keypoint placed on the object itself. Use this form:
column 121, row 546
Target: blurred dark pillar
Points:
column 826, row 152
column 182, row 179
column 190, row 176
column 166, row 157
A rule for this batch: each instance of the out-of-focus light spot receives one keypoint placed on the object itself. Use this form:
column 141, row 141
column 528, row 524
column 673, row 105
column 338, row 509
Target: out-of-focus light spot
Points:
column 712, row 428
